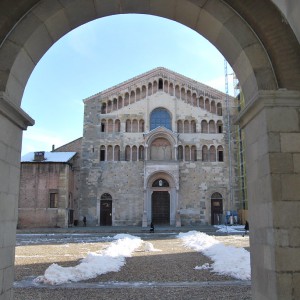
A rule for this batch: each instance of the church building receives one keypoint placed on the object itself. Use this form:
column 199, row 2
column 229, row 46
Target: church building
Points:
column 155, row 149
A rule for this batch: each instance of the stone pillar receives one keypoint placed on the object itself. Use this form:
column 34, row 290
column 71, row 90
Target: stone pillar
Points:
column 272, row 130
column 12, row 121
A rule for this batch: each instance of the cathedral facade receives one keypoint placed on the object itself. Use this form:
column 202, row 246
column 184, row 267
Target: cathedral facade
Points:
column 155, row 149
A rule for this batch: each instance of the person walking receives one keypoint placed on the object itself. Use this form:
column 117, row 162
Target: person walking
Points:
column 246, row 228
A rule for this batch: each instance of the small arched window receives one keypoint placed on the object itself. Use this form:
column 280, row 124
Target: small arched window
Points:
column 127, row 153
column 219, row 109
column 134, row 153
column 180, row 153
column 204, row 126
column 212, row 153
column 109, row 153
column 102, row 153
column 117, row 153
column 141, row 153
column 220, row 153
column 204, row 153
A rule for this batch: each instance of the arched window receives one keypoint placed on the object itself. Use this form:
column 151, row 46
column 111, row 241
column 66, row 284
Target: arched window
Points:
column 103, row 125
column 144, row 89
column 128, row 126
column 141, row 126
column 207, row 105
column 219, row 109
column 141, row 153
column 127, row 153
column 193, row 126
column 183, row 94
column 117, row 153
column 212, row 153
column 155, row 87
column 134, row 153
column 117, row 125
column 120, row 102
column 177, row 92
column 220, row 153
column 189, row 97
column 160, row 117
column 135, row 126
column 171, row 89
column 138, row 94
column 193, row 153
column 212, row 126
column 219, row 126
column 186, row 126
column 179, row 126
column 201, row 102
column 187, row 154
column 110, row 125
column 109, row 153
column 103, row 108
column 102, row 153
column 166, row 85
column 204, row 126
column 149, row 89
column 194, row 99
column 160, row 84
column 213, row 107
column 126, row 100
column 109, row 106
column 115, row 104
column 132, row 97
column 180, row 153
column 204, row 153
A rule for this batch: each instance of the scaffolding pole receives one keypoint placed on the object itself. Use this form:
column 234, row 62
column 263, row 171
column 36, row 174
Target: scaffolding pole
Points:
column 230, row 186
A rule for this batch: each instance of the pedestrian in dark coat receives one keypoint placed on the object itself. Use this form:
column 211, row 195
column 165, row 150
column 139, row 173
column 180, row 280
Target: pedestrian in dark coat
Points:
column 151, row 228
column 246, row 228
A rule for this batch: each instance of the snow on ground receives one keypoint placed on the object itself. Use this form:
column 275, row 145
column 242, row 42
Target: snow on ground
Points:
column 230, row 229
column 109, row 260
column 227, row 260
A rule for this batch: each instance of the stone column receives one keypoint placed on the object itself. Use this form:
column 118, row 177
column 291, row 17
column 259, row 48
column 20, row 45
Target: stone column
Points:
column 12, row 121
column 272, row 129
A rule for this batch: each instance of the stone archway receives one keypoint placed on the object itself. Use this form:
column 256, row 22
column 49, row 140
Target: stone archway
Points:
column 262, row 47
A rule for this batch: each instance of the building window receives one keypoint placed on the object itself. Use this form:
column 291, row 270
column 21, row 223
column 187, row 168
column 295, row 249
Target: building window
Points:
column 180, row 153
column 220, row 153
column 204, row 153
column 102, row 153
column 53, row 200
column 160, row 84
column 160, row 117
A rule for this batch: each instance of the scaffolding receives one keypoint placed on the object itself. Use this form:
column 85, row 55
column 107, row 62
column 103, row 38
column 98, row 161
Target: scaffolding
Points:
column 242, row 202
column 236, row 149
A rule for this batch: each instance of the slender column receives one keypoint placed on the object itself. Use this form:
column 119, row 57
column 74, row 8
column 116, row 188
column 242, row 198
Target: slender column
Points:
column 272, row 130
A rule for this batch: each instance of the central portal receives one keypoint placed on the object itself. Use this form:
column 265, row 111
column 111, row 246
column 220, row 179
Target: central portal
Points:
column 161, row 208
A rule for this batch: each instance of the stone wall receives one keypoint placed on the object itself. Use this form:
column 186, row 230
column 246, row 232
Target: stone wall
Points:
column 37, row 180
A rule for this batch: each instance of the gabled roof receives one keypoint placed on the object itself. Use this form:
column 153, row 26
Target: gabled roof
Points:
column 50, row 157
column 160, row 71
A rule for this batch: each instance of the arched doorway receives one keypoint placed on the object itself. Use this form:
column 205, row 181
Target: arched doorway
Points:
column 216, row 208
column 241, row 30
column 160, row 202
column 106, row 210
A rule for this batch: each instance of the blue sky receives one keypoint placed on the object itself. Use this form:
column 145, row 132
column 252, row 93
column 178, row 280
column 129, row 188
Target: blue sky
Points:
column 101, row 54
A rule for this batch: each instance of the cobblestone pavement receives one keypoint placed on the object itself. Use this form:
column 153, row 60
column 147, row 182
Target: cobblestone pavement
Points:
column 166, row 274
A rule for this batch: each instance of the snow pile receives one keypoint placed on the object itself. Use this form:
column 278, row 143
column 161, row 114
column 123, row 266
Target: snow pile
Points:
column 231, row 229
column 148, row 247
column 206, row 266
column 228, row 260
column 109, row 260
